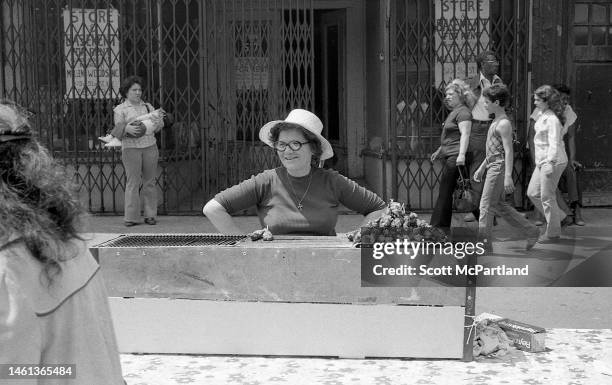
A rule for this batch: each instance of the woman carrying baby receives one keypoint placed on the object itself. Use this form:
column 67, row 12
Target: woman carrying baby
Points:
column 139, row 152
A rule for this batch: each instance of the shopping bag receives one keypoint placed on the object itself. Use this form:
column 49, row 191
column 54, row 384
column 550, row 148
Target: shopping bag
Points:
column 463, row 198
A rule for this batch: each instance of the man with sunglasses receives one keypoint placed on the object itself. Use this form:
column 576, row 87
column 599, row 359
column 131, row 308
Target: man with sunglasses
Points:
column 488, row 68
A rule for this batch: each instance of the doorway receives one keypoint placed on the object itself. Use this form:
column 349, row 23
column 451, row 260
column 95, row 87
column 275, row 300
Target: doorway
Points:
column 591, row 50
column 329, row 84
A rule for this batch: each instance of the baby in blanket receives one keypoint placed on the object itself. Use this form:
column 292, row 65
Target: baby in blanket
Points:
column 148, row 120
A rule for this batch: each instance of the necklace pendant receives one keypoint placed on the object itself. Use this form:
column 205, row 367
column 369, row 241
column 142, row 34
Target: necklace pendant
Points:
column 299, row 206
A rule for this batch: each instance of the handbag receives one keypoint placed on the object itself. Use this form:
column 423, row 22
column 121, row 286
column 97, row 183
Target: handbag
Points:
column 463, row 198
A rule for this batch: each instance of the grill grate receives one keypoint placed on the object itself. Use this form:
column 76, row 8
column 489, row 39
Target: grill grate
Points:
column 171, row 240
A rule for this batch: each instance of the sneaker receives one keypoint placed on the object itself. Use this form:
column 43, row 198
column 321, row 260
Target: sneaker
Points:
column 129, row 223
column 106, row 138
column 113, row 143
column 150, row 221
column 544, row 239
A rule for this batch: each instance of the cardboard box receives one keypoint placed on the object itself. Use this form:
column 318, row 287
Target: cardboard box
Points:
column 525, row 337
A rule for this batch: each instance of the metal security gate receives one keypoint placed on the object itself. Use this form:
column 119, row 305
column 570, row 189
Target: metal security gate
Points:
column 433, row 42
column 260, row 65
column 220, row 68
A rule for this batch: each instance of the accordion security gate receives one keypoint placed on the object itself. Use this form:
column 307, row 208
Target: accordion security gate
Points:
column 220, row 68
column 433, row 42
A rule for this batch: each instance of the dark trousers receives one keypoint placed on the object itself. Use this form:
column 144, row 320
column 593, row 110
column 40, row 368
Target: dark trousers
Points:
column 443, row 210
column 570, row 184
column 476, row 155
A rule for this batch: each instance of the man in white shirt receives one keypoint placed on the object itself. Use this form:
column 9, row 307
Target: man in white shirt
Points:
column 488, row 67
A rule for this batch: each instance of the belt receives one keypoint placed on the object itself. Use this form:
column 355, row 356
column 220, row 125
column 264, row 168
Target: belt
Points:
column 481, row 121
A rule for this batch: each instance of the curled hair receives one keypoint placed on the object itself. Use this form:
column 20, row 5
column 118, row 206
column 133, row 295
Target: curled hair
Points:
column 37, row 204
column 552, row 97
column 498, row 92
column 315, row 144
column 483, row 56
column 128, row 83
column 562, row 88
column 461, row 88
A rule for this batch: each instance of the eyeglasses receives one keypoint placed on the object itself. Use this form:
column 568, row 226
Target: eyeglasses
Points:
column 491, row 61
column 294, row 145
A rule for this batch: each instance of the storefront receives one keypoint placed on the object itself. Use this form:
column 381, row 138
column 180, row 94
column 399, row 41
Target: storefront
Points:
column 574, row 40
column 373, row 70
column 429, row 44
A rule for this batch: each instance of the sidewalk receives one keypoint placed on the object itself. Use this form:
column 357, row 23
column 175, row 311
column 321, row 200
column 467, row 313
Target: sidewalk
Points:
column 104, row 224
column 575, row 357
column 559, row 307
column 578, row 322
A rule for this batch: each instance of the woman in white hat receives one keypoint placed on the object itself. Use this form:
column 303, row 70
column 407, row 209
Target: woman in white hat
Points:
column 298, row 197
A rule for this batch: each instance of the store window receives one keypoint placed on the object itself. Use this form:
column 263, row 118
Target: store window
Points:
column 592, row 24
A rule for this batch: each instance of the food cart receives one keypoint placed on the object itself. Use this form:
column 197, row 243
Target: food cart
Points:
column 293, row 296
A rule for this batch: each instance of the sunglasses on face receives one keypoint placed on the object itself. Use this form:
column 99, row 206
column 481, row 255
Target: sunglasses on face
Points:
column 294, row 145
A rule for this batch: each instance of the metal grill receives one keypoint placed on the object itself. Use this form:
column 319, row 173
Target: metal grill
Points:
column 221, row 68
column 432, row 43
column 171, row 240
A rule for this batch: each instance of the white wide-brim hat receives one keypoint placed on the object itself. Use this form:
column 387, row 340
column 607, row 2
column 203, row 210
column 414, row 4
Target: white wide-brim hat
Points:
column 305, row 119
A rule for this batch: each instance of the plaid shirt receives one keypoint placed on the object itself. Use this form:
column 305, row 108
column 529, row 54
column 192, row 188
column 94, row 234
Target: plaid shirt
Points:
column 127, row 112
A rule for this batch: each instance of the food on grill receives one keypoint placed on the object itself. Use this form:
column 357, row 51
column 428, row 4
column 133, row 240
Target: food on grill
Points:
column 394, row 224
column 267, row 235
column 264, row 234
column 257, row 234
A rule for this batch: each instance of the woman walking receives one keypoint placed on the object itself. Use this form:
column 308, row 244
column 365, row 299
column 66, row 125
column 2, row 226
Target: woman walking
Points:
column 550, row 160
column 453, row 147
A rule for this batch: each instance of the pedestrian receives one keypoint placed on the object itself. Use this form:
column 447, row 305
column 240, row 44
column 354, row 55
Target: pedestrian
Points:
column 299, row 197
column 487, row 65
column 453, row 148
column 569, row 178
column 139, row 152
column 550, row 160
column 53, row 304
column 496, row 171
column 569, row 182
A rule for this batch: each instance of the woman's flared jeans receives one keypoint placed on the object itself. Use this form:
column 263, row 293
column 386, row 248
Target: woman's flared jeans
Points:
column 140, row 166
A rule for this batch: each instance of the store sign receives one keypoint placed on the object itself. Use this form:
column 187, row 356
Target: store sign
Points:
column 252, row 71
column 91, row 49
column 462, row 30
